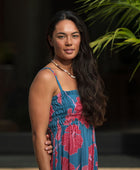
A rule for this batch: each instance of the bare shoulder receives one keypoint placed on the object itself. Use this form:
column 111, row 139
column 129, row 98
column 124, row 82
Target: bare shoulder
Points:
column 45, row 75
column 44, row 81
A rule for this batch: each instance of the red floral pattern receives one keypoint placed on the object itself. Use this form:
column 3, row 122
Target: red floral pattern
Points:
column 78, row 105
column 51, row 113
column 59, row 98
column 66, row 164
column 55, row 152
column 72, row 137
column 93, row 135
column 70, row 117
column 58, row 134
column 65, row 126
column 96, row 163
column 85, row 167
column 91, row 156
column 84, row 122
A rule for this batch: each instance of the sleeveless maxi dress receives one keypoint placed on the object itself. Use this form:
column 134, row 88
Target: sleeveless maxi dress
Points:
column 73, row 139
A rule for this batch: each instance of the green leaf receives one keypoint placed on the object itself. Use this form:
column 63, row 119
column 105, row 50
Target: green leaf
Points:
column 133, row 73
column 124, row 12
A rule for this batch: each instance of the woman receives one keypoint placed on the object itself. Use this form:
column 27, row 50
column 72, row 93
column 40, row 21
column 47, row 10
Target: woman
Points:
column 66, row 98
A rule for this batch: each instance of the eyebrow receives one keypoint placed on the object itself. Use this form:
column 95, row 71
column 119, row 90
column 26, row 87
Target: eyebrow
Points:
column 76, row 32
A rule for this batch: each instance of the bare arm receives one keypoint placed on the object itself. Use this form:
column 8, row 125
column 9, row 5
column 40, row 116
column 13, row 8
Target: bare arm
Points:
column 40, row 96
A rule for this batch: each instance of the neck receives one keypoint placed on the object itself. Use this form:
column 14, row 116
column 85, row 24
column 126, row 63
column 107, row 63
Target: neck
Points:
column 66, row 64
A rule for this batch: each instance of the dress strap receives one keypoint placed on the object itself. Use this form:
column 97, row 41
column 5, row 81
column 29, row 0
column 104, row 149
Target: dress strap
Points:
column 55, row 77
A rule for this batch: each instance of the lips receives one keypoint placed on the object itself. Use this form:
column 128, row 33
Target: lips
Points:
column 69, row 51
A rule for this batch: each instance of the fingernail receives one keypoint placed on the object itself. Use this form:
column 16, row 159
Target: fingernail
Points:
column 46, row 142
column 46, row 149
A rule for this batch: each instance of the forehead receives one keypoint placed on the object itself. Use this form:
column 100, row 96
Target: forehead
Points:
column 66, row 26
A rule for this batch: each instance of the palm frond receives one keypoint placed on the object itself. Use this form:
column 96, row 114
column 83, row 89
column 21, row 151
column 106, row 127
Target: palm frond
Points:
column 101, row 43
column 123, row 35
column 125, row 12
column 134, row 71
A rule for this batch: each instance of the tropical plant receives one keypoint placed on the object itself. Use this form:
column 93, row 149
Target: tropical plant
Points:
column 125, row 13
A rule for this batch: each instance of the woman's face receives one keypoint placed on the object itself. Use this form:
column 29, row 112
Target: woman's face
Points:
column 65, row 40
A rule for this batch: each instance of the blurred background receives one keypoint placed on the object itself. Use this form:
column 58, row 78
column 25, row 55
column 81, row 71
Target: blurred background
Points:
column 23, row 53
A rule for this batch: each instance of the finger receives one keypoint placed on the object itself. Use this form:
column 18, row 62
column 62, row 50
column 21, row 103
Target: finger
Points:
column 48, row 142
column 49, row 148
column 47, row 136
column 49, row 151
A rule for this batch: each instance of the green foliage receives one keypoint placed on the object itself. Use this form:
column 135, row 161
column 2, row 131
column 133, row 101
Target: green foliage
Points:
column 126, row 14
column 124, row 35
column 127, row 11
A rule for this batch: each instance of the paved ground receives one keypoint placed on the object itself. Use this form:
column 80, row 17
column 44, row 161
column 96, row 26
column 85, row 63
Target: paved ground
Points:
column 106, row 162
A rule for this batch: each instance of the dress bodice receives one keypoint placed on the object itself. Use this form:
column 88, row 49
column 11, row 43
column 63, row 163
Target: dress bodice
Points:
column 73, row 139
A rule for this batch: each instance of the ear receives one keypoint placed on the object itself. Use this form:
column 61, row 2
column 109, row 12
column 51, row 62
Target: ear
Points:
column 50, row 40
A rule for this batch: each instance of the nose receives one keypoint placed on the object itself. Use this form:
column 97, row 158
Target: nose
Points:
column 68, row 41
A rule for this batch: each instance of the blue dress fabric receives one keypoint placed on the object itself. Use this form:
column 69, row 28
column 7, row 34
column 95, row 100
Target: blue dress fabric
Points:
column 73, row 139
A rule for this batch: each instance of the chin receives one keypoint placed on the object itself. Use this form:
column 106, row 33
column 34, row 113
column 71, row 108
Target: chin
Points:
column 67, row 58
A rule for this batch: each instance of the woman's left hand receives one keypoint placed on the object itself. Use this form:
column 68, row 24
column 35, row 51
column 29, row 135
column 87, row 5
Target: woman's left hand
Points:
column 48, row 145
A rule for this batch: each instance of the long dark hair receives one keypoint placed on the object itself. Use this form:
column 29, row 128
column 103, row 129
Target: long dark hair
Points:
column 89, row 82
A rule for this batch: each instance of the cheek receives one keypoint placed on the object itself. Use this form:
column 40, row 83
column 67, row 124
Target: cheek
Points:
column 77, row 44
column 57, row 45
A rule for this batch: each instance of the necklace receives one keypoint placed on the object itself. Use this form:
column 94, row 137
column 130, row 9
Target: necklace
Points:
column 72, row 76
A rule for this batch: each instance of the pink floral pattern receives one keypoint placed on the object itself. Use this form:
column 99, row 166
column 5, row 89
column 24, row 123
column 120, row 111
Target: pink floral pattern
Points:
column 54, row 153
column 58, row 134
column 72, row 137
column 85, row 167
column 91, row 156
column 78, row 105
column 59, row 99
column 93, row 135
column 51, row 113
column 71, row 116
column 84, row 122
column 66, row 164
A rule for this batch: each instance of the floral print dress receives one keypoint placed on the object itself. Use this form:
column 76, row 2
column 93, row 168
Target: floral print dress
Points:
column 73, row 139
